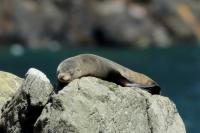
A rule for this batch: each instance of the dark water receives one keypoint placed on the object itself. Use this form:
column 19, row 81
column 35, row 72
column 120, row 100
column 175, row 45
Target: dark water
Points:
column 176, row 69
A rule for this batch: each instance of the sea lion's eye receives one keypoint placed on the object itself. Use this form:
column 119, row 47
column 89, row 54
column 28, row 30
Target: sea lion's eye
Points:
column 78, row 70
column 71, row 72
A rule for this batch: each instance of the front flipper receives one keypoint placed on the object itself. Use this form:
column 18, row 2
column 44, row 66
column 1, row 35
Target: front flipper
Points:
column 153, row 89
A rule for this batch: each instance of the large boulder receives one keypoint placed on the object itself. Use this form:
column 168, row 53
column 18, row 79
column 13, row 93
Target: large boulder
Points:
column 91, row 105
column 87, row 105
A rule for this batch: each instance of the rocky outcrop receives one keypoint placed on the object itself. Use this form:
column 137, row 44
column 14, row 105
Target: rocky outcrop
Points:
column 124, row 22
column 9, row 85
column 20, row 113
column 87, row 105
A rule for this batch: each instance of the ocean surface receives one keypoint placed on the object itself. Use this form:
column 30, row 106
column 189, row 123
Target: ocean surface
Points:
column 176, row 69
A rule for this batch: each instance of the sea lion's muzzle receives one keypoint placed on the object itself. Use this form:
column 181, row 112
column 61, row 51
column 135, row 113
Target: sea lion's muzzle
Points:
column 64, row 78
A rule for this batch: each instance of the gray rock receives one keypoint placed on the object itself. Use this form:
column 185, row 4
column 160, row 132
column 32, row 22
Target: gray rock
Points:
column 87, row 105
column 20, row 113
column 91, row 105
column 9, row 85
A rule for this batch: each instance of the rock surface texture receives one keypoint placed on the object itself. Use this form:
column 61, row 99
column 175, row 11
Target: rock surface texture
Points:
column 20, row 113
column 87, row 105
column 9, row 84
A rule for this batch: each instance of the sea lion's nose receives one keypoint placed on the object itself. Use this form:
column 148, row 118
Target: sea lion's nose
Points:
column 64, row 78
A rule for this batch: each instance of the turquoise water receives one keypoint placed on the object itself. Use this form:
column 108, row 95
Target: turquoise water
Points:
column 176, row 69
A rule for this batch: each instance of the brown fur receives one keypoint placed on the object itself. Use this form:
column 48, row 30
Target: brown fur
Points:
column 93, row 65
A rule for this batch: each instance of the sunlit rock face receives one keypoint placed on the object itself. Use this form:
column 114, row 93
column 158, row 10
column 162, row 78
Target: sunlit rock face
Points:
column 9, row 85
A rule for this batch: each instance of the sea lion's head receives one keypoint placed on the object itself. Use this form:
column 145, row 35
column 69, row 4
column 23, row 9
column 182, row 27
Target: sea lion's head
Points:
column 69, row 70
column 77, row 67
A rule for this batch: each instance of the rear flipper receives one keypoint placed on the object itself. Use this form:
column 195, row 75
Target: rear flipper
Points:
column 153, row 89
column 118, row 78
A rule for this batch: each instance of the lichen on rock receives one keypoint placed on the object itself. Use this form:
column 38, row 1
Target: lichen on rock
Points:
column 9, row 84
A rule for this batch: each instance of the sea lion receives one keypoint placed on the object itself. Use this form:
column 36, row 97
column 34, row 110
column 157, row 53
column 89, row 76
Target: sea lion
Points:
column 96, row 66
